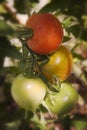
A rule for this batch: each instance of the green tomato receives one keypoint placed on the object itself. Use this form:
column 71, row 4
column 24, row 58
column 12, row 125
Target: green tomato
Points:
column 28, row 93
column 62, row 102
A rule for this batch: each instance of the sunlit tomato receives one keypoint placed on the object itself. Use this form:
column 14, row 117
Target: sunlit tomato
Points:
column 47, row 33
column 59, row 64
column 63, row 101
column 28, row 92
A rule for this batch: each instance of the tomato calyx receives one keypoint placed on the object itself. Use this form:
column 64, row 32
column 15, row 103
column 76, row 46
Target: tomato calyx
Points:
column 27, row 63
column 23, row 33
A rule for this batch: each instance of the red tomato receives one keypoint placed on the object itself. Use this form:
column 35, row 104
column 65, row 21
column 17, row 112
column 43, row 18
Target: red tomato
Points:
column 47, row 33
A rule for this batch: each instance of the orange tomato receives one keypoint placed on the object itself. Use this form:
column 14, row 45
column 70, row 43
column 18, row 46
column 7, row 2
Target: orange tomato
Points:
column 59, row 65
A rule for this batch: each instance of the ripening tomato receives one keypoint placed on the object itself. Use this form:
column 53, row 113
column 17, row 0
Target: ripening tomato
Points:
column 47, row 33
column 64, row 101
column 28, row 92
column 59, row 64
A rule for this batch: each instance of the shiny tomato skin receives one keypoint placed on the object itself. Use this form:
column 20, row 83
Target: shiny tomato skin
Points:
column 28, row 92
column 60, row 64
column 64, row 101
column 47, row 33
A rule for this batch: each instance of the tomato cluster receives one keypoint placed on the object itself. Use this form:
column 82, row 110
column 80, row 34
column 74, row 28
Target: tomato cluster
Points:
column 29, row 93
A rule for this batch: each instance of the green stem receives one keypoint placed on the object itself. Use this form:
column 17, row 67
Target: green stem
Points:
column 39, row 122
column 23, row 33
column 45, row 105
column 28, row 7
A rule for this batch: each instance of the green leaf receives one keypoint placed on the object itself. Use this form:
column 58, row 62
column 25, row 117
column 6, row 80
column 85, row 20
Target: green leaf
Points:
column 69, row 6
column 77, row 56
column 75, row 30
column 66, row 38
column 55, row 5
column 76, row 8
column 5, row 29
column 6, row 49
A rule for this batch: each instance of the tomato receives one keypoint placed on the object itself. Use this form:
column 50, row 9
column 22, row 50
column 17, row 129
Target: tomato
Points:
column 60, row 64
column 28, row 92
column 47, row 33
column 62, row 102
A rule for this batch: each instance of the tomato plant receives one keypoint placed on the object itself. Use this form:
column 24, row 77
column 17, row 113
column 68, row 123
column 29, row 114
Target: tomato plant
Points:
column 63, row 101
column 59, row 64
column 30, row 34
column 28, row 92
column 47, row 33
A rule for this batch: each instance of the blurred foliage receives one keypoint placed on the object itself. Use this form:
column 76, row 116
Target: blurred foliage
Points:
column 6, row 46
column 5, row 28
column 73, row 16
